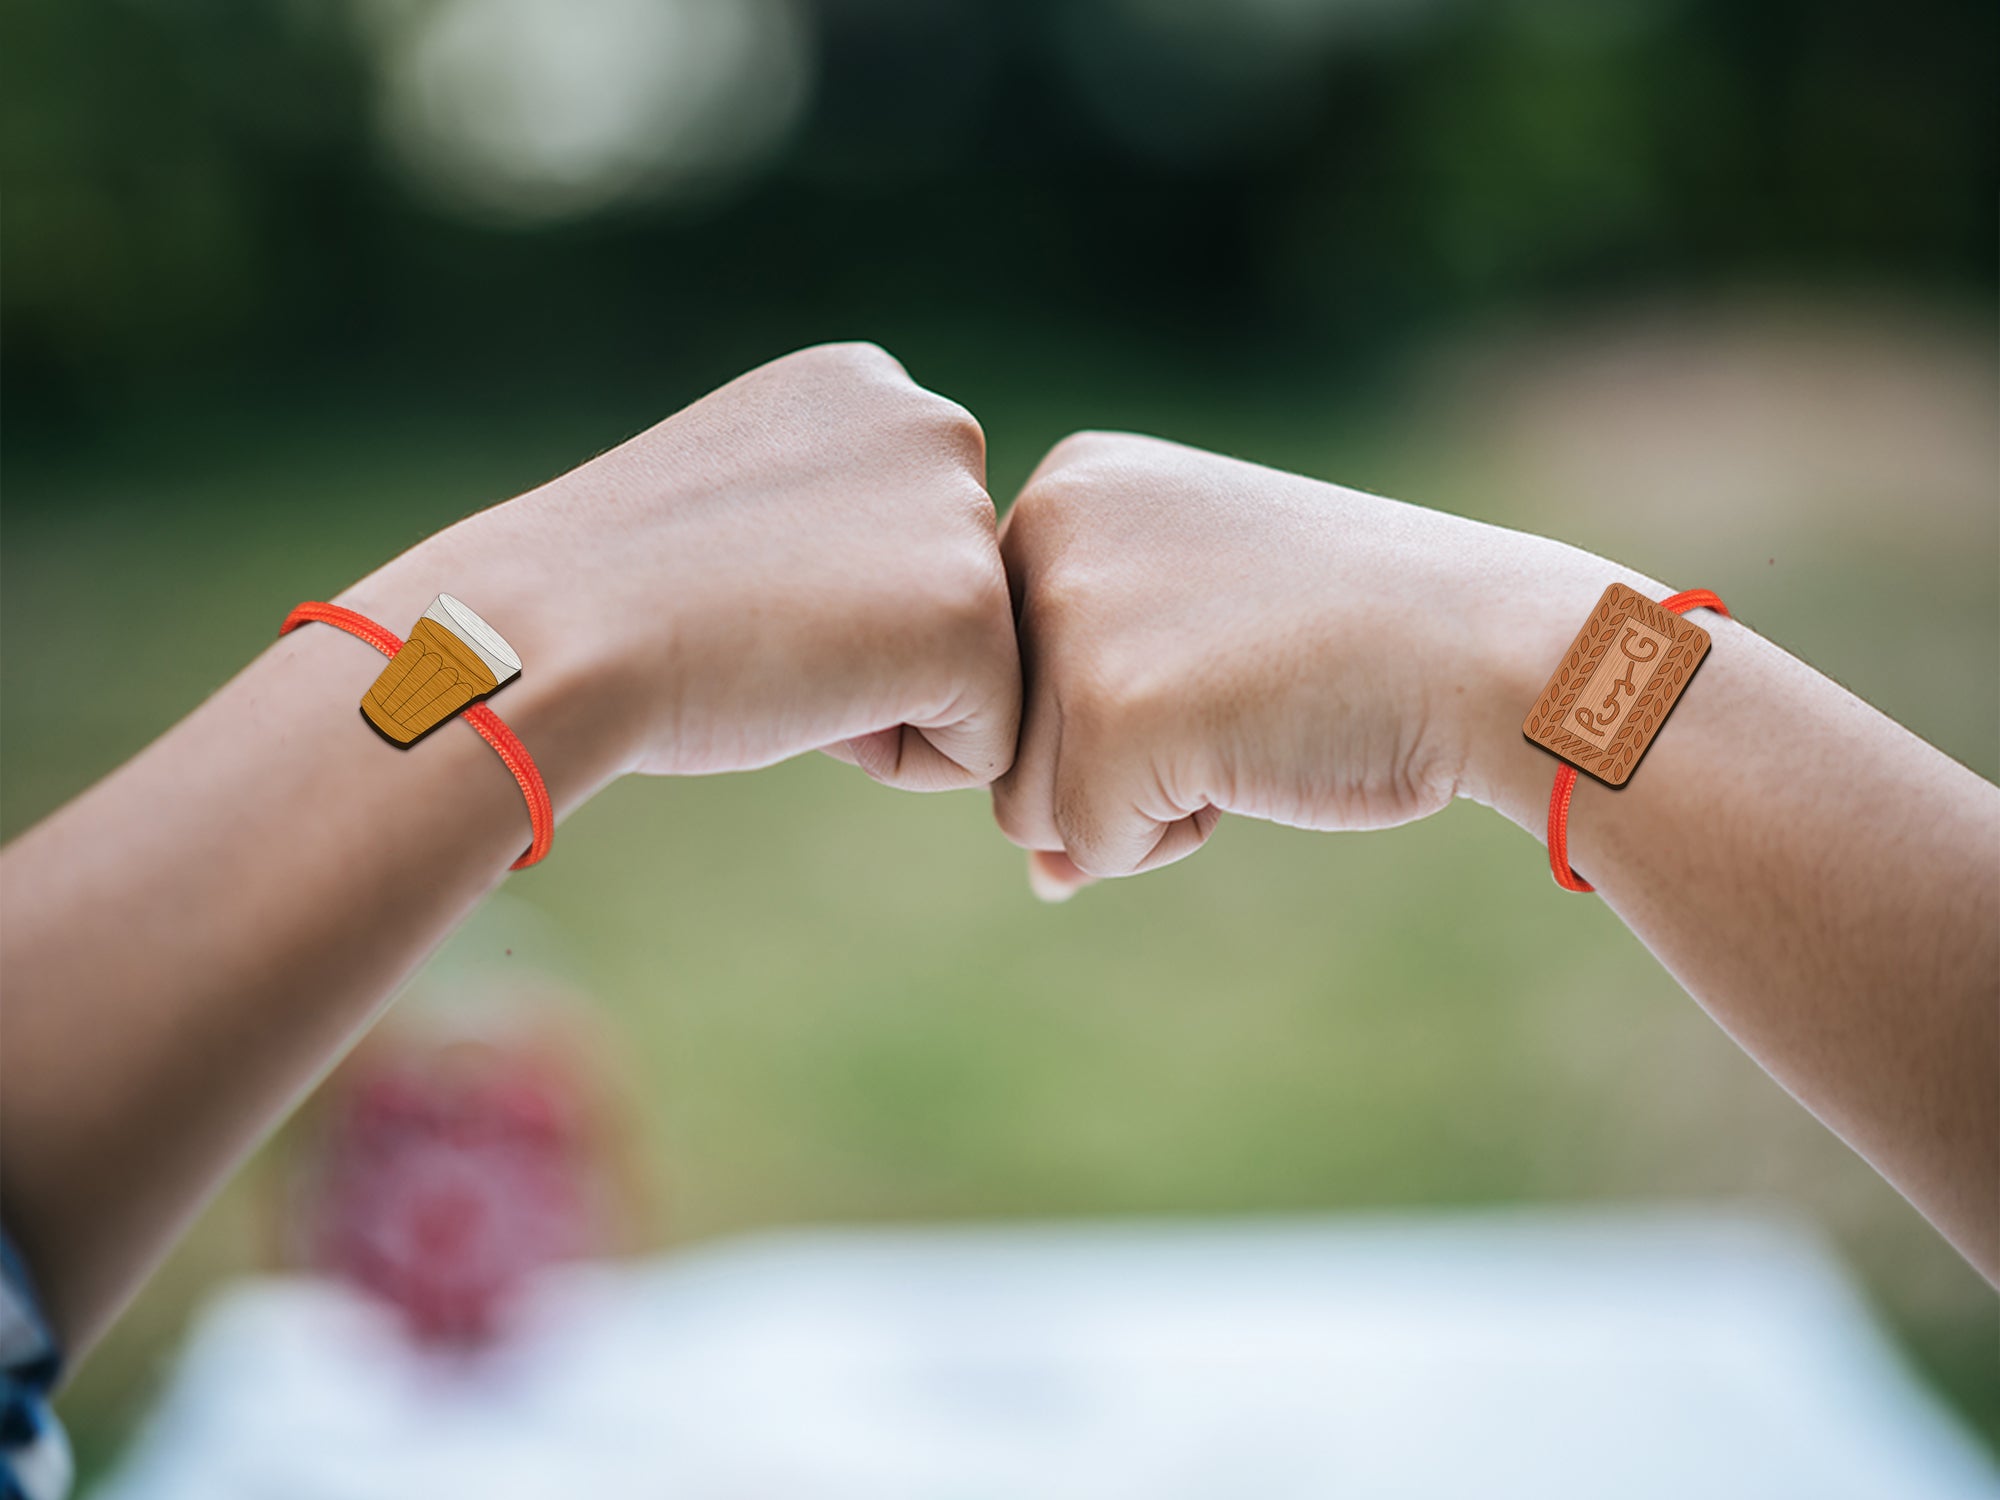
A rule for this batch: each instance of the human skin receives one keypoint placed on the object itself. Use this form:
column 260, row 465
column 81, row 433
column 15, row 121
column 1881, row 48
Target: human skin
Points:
column 1201, row 635
column 804, row 559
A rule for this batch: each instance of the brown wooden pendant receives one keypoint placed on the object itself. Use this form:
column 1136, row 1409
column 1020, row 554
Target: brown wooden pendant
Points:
column 1616, row 684
column 451, row 659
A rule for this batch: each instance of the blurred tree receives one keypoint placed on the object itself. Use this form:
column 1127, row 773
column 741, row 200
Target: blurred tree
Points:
column 169, row 177
column 205, row 187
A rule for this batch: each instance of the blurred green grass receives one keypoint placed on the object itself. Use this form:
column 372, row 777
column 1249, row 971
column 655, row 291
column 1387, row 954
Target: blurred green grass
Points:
column 842, row 1001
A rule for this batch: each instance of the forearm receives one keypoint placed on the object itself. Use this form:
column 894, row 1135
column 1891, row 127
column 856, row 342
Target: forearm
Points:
column 803, row 558
column 1825, row 884
column 189, row 943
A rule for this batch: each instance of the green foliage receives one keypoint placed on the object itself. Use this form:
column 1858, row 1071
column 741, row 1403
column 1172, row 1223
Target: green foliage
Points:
column 194, row 189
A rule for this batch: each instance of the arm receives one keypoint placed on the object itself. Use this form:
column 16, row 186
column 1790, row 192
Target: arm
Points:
column 1201, row 635
column 1825, row 883
column 804, row 559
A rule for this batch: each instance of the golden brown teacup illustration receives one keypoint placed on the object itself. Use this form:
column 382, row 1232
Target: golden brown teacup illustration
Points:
column 450, row 659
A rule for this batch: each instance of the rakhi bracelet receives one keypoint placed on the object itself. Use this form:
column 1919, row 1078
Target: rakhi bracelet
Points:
column 458, row 657
column 1610, row 694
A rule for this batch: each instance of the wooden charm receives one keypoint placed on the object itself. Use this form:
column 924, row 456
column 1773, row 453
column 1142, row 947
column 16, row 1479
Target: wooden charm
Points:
column 1616, row 684
column 451, row 658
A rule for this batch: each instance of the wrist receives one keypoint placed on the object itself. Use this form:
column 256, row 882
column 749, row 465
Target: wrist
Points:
column 570, row 706
column 1528, row 612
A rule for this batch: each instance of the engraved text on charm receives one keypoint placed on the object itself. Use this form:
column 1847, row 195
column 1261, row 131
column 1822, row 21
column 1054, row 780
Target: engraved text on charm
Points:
column 1616, row 684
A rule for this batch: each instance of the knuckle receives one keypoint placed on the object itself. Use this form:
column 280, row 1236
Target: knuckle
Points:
column 960, row 431
column 1011, row 814
column 855, row 357
column 1041, row 519
column 1092, row 457
column 1111, row 709
column 1056, row 610
column 1082, row 820
column 1080, row 471
column 862, row 352
column 1083, row 447
column 969, row 602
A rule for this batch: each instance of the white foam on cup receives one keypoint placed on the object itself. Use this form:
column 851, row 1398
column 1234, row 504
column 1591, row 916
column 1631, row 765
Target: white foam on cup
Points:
column 458, row 617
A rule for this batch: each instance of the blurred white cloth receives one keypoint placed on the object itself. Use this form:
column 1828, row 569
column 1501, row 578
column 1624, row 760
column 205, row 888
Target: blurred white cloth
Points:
column 1487, row 1356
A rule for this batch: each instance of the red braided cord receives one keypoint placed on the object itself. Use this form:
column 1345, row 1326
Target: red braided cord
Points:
column 1559, row 795
column 385, row 641
column 506, row 744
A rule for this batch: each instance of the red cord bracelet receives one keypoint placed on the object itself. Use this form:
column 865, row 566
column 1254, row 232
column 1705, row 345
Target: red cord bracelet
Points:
column 492, row 729
column 1565, row 784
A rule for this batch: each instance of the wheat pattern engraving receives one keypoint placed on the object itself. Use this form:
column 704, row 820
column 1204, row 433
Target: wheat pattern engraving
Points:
column 1612, row 762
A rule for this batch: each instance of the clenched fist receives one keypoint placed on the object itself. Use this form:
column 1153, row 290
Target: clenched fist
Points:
column 1201, row 635
column 803, row 559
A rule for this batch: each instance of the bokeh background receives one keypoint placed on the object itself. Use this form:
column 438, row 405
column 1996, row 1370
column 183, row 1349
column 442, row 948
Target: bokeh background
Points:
column 1706, row 285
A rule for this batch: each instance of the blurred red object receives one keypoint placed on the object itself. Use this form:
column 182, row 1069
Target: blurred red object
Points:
column 449, row 1173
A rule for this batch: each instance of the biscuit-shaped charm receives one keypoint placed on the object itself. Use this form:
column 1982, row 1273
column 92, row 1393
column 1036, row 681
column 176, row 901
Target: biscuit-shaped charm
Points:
column 452, row 658
column 1616, row 684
